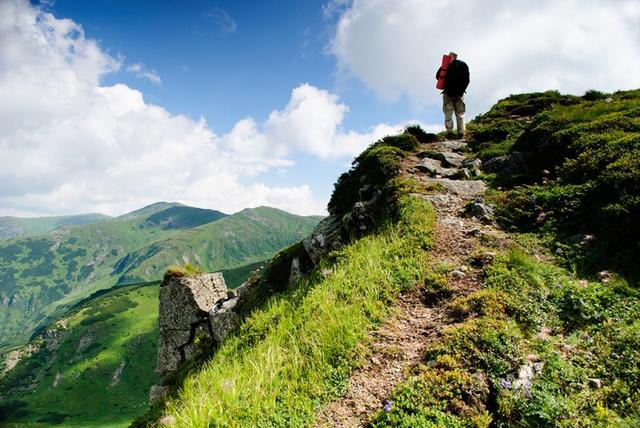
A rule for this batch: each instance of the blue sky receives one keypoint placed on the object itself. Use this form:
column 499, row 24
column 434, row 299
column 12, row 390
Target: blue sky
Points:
column 228, row 104
column 226, row 60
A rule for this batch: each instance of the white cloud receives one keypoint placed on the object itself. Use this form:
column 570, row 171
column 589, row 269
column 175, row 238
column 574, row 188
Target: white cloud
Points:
column 139, row 70
column 572, row 45
column 69, row 144
column 310, row 123
column 222, row 20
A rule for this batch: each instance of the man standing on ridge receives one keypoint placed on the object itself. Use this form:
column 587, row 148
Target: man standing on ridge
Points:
column 456, row 81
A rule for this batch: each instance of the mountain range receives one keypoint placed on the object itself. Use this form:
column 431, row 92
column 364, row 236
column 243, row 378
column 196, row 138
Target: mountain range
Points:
column 42, row 275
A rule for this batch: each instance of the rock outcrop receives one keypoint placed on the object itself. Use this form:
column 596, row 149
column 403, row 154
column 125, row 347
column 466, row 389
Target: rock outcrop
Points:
column 184, row 315
column 196, row 313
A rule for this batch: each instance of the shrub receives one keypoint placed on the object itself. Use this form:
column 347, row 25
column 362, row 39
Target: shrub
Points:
column 375, row 167
column 180, row 271
column 593, row 95
column 420, row 135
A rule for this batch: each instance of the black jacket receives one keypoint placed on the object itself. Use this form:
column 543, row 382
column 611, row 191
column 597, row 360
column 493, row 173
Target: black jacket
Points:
column 457, row 79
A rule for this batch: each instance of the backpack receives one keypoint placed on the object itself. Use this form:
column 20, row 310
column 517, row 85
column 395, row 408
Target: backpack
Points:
column 457, row 79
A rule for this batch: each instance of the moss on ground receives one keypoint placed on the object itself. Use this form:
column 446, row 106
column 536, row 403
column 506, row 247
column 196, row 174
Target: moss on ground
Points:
column 585, row 178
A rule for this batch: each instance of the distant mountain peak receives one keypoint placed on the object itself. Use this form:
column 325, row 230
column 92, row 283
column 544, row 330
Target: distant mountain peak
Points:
column 183, row 217
column 150, row 209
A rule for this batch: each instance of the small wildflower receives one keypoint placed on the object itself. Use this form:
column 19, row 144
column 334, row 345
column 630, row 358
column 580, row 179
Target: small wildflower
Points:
column 614, row 355
column 558, row 285
column 505, row 383
column 528, row 394
column 586, row 336
column 581, row 302
column 589, row 356
column 387, row 405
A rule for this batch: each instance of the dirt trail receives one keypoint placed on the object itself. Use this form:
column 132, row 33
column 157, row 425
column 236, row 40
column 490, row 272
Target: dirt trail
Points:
column 416, row 321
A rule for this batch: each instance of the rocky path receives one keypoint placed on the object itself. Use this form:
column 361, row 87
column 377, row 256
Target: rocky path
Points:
column 399, row 343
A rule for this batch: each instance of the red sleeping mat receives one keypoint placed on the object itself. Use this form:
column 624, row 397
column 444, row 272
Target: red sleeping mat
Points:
column 446, row 60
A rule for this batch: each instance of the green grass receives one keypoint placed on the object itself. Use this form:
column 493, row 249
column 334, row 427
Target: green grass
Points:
column 236, row 276
column 591, row 332
column 297, row 351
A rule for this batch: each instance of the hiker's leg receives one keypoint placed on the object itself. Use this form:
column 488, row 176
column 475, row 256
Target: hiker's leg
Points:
column 448, row 108
column 460, row 109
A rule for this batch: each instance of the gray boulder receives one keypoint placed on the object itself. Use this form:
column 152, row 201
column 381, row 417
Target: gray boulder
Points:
column 480, row 210
column 474, row 166
column 296, row 273
column 223, row 319
column 184, row 311
column 434, row 168
column 451, row 145
column 449, row 159
column 361, row 218
column 158, row 393
column 512, row 164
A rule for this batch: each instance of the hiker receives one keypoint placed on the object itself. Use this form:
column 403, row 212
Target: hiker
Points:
column 455, row 84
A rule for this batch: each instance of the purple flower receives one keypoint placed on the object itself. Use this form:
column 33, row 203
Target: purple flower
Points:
column 528, row 394
column 589, row 356
column 558, row 285
column 614, row 355
column 387, row 405
column 505, row 383
column 581, row 302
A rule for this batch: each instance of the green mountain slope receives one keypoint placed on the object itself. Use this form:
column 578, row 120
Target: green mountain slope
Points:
column 183, row 217
column 15, row 227
column 246, row 237
column 71, row 379
column 40, row 276
column 149, row 210
column 93, row 367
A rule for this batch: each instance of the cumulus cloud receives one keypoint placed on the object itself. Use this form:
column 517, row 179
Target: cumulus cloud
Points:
column 139, row 70
column 310, row 123
column 69, row 144
column 515, row 46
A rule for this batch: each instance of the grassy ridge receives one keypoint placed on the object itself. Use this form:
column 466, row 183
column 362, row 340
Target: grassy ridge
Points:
column 297, row 351
column 579, row 339
column 298, row 342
